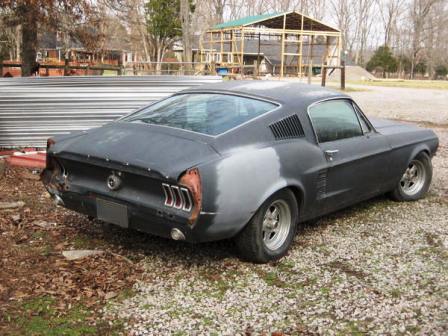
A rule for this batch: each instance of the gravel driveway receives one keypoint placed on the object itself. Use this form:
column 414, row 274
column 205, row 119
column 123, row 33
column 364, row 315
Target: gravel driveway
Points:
column 425, row 105
column 380, row 267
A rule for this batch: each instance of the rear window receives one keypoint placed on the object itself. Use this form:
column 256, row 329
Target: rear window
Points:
column 206, row 113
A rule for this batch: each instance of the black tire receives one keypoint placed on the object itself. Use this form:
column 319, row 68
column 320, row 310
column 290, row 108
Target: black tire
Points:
column 250, row 243
column 423, row 162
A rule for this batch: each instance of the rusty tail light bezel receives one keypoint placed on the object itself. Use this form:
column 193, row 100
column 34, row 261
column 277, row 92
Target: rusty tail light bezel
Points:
column 186, row 195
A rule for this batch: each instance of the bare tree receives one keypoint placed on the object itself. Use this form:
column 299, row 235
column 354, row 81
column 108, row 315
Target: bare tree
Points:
column 363, row 19
column 419, row 11
column 317, row 9
column 132, row 15
column 342, row 11
column 390, row 11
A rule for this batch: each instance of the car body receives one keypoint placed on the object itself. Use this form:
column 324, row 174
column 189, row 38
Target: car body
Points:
column 160, row 178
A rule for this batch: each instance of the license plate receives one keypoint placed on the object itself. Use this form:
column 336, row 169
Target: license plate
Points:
column 112, row 212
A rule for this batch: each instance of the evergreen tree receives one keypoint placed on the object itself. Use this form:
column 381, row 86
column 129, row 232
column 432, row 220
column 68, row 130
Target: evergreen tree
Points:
column 383, row 60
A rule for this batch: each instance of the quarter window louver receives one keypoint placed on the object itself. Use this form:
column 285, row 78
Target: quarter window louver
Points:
column 287, row 128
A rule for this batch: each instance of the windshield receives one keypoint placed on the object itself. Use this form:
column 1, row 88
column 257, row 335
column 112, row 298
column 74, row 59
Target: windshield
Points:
column 208, row 113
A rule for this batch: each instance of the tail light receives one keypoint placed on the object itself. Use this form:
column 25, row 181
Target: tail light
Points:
column 186, row 196
column 177, row 197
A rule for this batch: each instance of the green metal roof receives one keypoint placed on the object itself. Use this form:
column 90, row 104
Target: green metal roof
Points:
column 246, row 20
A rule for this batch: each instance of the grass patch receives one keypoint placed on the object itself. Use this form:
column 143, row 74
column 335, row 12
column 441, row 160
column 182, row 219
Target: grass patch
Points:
column 272, row 279
column 353, row 329
column 415, row 84
column 40, row 317
column 347, row 269
column 125, row 294
column 395, row 293
column 83, row 242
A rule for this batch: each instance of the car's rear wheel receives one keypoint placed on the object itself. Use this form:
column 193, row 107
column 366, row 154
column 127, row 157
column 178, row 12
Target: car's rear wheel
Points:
column 270, row 232
column 416, row 179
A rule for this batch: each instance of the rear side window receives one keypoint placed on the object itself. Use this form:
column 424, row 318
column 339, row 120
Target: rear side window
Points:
column 334, row 120
column 206, row 113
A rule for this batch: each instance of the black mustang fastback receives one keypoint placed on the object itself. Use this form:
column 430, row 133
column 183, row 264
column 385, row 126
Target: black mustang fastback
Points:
column 242, row 159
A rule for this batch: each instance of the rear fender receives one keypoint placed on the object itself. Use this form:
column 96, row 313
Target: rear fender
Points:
column 237, row 185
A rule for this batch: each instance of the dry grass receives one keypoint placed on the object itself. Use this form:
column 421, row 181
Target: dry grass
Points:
column 415, row 84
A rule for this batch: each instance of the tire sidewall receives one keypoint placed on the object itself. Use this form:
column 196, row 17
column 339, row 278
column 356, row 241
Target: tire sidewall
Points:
column 289, row 198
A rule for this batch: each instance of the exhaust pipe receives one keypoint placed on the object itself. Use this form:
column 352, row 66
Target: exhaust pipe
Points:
column 177, row 234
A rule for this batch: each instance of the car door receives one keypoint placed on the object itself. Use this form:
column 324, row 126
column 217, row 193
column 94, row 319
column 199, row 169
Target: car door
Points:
column 356, row 155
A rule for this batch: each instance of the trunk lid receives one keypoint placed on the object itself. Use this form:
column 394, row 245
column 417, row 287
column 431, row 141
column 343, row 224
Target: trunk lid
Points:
column 166, row 151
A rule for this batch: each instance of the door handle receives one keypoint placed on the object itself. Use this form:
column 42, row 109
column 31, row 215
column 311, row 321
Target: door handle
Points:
column 330, row 154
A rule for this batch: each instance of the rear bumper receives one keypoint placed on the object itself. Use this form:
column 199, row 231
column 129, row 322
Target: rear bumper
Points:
column 158, row 222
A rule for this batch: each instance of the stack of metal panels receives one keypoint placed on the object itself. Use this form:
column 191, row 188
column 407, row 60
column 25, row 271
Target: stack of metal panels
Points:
column 33, row 109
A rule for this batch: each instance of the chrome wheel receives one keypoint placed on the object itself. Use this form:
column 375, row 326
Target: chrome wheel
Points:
column 413, row 178
column 276, row 224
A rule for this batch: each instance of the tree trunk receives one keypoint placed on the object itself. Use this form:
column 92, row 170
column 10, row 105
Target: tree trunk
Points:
column 29, row 42
column 18, row 41
column 159, row 60
column 186, row 32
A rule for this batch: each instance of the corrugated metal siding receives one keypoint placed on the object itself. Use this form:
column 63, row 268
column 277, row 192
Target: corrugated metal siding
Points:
column 33, row 109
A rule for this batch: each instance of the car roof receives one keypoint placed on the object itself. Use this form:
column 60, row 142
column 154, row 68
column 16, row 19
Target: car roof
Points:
column 285, row 92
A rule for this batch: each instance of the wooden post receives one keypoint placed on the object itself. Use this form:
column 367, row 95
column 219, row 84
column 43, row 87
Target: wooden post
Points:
column 324, row 74
column 310, row 71
column 232, row 52
column 310, row 58
column 339, row 49
column 66, row 65
column 201, row 48
column 120, row 65
column 258, row 55
column 283, row 48
column 222, row 48
column 327, row 49
column 242, row 52
column 343, row 75
column 301, row 47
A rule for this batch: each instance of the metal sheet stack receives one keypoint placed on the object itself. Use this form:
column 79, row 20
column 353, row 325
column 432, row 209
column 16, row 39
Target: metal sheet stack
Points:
column 33, row 109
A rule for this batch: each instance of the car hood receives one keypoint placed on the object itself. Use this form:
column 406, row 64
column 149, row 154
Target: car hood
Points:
column 168, row 152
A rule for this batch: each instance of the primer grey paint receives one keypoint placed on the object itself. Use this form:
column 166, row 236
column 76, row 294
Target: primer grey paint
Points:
column 241, row 168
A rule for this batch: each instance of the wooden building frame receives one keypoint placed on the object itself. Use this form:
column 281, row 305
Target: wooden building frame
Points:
column 224, row 44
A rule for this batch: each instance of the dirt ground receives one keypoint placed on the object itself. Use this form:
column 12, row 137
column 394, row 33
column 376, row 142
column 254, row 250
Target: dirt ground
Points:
column 380, row 267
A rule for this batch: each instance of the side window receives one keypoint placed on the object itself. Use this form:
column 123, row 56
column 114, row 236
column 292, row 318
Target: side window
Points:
column 334, row 120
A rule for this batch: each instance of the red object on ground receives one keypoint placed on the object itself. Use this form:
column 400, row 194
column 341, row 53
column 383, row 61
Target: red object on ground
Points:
column 31, row 160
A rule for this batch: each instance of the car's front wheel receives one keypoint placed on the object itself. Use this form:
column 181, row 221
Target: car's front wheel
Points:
column 416, row 179
column 270, row 232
